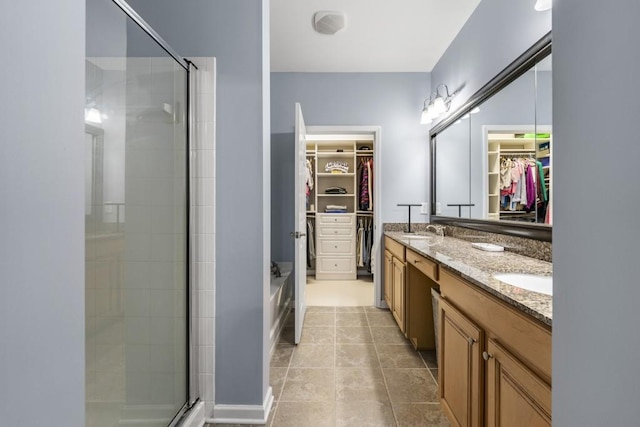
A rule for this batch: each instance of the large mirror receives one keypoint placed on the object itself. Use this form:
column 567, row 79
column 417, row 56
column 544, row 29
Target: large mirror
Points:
column 491, row 159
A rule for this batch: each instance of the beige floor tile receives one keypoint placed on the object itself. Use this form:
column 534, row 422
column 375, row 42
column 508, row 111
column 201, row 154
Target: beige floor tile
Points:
column 420, row 415
column 369, row 414
column 360, row 384
column 318, row 335
column 314, row 356
column 351, row 319
column 309, row 384
column 353, row 335
column 282, row 355
column 287, row 335
column 410, row 385
column 373, row 309
column 429, row 357
column 398, row 356
column 381, row 319
column 320, row 319
column 356, row 356
column 353, row 309
column 311, row 414
column 276, row 380
column 384, row 335
column 320, row 309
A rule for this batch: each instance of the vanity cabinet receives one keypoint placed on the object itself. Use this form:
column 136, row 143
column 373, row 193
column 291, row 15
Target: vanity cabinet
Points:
column 398, row 310
column 460, row 367
column 515, row 395
column 485, row 344
column 395, row 273
column 388, row 279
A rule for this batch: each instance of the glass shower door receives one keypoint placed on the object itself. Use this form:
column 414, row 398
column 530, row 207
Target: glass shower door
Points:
column 136, row 224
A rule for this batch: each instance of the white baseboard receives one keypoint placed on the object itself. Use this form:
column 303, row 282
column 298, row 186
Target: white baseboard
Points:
column 196, row 416
column 243, row 414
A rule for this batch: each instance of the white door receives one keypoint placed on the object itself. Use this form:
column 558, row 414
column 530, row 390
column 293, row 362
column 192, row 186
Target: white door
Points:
column 300, row 233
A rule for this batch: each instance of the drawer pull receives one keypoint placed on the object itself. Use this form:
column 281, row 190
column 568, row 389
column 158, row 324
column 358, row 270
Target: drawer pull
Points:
column 415, row 261
column 486, row 356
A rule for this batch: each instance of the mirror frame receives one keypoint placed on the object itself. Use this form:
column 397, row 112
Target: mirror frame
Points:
column 522, row 64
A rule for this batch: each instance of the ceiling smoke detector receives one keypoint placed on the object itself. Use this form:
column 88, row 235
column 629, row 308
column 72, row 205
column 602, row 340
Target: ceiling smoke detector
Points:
column 329, row 22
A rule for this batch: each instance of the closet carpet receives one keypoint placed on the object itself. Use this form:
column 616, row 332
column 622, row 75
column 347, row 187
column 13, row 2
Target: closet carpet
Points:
column 340, row 292
column 353, row 368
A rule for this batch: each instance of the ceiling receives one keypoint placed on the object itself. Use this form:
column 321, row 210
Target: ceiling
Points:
column 379, row 36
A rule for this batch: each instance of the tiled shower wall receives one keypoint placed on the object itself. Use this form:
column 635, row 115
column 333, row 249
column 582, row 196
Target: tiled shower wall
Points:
column 203, row 224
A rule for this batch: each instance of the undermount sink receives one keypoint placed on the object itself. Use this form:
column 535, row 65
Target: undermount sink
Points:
column 530, row 282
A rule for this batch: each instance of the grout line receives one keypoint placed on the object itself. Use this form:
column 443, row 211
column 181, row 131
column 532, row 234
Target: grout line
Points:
column 384, row 378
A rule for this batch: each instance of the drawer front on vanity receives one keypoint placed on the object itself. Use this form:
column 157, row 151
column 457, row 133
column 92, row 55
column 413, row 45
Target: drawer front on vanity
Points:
column 336, row 247
column 341, row 219
column 426, row 266
column 396, row 249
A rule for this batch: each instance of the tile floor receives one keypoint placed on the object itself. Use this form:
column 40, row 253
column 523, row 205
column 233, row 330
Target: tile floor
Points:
column 352, row 368
column 358, row 292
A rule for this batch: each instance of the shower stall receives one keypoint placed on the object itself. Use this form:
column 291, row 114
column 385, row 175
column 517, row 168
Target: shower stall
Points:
column 136, row 223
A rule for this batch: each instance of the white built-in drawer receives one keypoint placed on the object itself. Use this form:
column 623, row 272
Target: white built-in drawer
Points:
column 335, row 265
column 336, row 247
column 343, row 219
column 333, row 231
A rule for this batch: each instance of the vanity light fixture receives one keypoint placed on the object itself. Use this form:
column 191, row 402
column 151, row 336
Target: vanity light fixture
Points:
column 92, row 115
column 542, row 5
column 436, row 104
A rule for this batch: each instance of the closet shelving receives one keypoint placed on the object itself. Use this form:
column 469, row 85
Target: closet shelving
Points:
column 336, row 233
column 502, row 145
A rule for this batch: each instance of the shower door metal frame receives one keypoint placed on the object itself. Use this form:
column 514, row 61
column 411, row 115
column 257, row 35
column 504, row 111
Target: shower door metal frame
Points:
column 192, row 357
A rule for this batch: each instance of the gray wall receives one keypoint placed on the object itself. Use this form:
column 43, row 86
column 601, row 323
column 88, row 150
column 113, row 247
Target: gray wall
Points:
column 497, row 32
column 42, row 215
column 232, row 32
column 390, row 100
column 596, row 380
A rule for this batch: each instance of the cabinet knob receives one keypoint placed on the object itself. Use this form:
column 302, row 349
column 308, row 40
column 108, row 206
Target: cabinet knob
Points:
column 335, row 265
column 486, row 356
column 415, row 261
column 336, row 232
column 471, row 341
column 336, row 247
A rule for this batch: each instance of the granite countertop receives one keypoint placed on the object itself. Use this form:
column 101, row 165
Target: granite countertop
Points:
column 478, row 267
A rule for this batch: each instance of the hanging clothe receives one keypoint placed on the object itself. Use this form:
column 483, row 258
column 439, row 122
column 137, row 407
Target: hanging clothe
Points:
column 308, row 182
column 365, row 184
column 311, row 249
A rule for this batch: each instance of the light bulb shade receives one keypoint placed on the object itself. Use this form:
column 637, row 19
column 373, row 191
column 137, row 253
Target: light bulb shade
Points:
column 92, row 115
column 425, row 119
column 438, row 105
column 543, row 5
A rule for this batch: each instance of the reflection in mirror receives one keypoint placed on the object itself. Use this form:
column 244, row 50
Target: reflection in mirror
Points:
column 497, row 157
column 452, row 170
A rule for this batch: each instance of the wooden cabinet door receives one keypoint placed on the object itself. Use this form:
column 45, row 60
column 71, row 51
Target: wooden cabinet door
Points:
column 515, row 395
column 460, row 367
column 399, row 292
column 388, row 279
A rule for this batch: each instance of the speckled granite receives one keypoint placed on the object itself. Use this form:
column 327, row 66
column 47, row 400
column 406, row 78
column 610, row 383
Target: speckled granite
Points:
column 478, row 267
column 402, row 227
column 519, row 245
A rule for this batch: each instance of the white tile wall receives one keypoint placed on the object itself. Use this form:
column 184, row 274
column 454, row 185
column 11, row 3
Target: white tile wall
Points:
column 203, row 223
